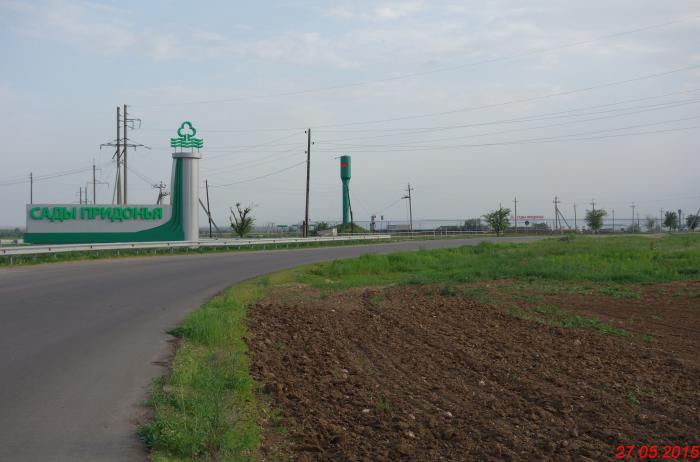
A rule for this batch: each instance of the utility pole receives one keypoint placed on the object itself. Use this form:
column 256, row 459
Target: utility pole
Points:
column 613, row 215
column 94, row 184
column 206, row 186
column 126, row 146
column 80, row 192
column 556, row 213
column 515, row 207
column 31, row 187
column 632, row 222
column 695, row 221
column 118, row 183
column 122, row 141
column 575, row 218
column 308, row 179
column 410, row 207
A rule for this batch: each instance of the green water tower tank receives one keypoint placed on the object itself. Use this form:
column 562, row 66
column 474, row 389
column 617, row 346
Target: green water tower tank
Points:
column 345, row 178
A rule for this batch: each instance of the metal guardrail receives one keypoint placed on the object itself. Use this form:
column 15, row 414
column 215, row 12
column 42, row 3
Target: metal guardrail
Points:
column 235, row 243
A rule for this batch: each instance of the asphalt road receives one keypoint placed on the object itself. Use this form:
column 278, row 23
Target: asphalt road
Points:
column 80, row 342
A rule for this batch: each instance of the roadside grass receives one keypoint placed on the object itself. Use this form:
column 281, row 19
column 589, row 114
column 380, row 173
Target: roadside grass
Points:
column 618, row 260
column 206, row 409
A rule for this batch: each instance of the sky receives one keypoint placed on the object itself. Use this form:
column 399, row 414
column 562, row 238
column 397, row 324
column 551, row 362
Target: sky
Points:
column 472, row 103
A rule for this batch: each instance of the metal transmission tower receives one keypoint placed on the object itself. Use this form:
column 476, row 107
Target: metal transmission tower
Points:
column 162, row 193
column 121, row 144
column 557, row 224
column 410, row 207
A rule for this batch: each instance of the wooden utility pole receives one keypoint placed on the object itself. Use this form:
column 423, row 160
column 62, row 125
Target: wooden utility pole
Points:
column 308, row 178
column 126, row 146
column 206, row 185
column 613, row 215
column 410, row 207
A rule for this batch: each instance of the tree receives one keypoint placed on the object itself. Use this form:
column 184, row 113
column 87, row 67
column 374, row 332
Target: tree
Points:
column 498, row 220
column 241, row 221
column 594, row 219
column 692, row 221
column 650, row 223
column 322, row 226
column 671, row 220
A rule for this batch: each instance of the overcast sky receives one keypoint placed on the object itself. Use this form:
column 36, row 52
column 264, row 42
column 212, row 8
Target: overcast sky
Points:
column 473, row 103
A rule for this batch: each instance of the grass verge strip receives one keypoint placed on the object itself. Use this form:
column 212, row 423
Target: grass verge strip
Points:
column 205, row 408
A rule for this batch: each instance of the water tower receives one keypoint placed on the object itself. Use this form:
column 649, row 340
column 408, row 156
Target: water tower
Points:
column 345, row 178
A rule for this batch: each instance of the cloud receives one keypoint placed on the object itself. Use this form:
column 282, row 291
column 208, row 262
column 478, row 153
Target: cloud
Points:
column 87, row 24
column 386, row 11
column 301, row 48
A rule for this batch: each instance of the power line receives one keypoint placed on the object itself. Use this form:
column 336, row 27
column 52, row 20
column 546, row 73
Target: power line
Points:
column 428, row 72
column 259, row 177
column 143, row 177
column 255, row 162
column 569, row 137
column 46, row 176
column 517, row 101
column 514, row 130
column 500, row 104
column 267, row 143
column 542, row 116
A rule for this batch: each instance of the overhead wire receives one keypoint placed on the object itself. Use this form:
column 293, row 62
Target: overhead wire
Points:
column 515, row 130
column 569, row 137
column 514, row 101
column 47, row 176
column 576, row 112
column 258, row 177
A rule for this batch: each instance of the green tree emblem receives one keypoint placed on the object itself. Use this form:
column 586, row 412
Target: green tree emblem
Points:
column 186, row 137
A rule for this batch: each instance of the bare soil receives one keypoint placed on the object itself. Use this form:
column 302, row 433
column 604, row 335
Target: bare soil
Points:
column 404, row 373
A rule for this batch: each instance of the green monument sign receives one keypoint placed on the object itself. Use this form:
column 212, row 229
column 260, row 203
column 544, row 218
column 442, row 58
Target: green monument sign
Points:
column 178, row 221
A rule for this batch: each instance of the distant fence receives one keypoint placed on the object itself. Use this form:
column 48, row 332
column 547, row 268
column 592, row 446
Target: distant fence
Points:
column 209, row 243
column 537, row 225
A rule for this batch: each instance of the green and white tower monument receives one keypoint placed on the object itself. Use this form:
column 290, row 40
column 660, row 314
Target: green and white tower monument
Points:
column 186, row 153
column 93, row 223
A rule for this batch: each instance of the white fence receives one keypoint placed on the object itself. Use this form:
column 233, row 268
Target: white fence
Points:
column 220, row 243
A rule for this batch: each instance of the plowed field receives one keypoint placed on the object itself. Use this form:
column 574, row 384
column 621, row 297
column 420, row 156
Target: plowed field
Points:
column 419, row 373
